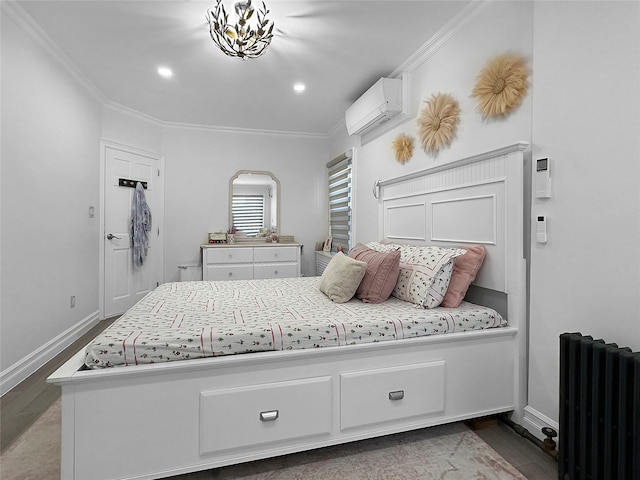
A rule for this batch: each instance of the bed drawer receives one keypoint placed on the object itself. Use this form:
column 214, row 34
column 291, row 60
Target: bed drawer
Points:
column 385, row 394
column 229, row 272
column 275, row 254
column 228, row 255
column 275, row 270
column 260, row 414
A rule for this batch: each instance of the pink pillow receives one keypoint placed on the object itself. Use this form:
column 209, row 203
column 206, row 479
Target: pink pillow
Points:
column 464, row 272
column 381, row 275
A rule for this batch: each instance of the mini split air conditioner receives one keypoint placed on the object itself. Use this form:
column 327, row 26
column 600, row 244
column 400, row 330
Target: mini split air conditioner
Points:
column 377, row 105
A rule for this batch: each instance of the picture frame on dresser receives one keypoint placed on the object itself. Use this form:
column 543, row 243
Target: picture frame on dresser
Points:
column 327, row 244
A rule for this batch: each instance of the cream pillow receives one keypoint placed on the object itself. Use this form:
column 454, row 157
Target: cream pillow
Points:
column 341, row 278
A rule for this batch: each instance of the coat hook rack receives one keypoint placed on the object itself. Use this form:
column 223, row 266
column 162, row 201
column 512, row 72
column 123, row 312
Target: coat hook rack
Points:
column 125, row 182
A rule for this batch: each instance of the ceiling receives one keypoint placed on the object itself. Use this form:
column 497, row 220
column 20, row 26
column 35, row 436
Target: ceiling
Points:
column 337, row 48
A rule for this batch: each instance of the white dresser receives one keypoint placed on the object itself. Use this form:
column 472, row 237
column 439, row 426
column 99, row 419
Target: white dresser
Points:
column 248, row 261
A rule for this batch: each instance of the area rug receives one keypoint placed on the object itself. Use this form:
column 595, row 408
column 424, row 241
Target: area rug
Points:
column 446, row 452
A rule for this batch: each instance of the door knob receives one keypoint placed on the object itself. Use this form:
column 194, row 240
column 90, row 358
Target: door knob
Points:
column 111, row 236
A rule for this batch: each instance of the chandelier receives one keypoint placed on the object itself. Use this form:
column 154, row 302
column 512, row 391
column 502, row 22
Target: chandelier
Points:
column 241, row 40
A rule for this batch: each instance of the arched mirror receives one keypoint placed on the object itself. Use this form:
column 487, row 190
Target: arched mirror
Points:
column 254, row 202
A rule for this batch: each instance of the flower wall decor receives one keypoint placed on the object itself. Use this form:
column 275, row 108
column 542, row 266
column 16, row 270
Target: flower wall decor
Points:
column 403, row 148
column 438, row 122
column 501, row 85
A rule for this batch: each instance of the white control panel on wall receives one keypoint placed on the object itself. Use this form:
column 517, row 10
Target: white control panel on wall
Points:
column 541, row 229
column 543, row 178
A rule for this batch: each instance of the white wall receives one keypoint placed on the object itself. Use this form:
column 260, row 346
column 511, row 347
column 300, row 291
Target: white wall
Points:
column 199, row 163
column 51, row 128
column 131, row 129
column 501, row 27
column 586, row 118
column 52, row 125
column 583, row 113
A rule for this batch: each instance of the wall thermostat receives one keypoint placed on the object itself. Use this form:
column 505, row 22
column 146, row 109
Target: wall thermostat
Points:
column 543, row 179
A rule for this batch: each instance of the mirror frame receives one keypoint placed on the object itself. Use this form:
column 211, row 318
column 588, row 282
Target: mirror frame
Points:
column 256, row 172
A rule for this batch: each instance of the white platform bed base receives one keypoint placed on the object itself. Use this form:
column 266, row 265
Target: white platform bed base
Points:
column 154, row 421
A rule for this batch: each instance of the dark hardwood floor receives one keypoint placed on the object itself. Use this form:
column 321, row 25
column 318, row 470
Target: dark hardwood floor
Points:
column 528, row 458
column 21, row 407
column 24, row 403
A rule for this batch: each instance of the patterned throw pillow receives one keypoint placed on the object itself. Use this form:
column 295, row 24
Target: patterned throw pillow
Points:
column 425, row 272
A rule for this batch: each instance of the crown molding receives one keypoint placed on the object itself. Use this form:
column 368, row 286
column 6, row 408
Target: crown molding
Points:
column 44, row 41
column 254, row 131
column 441, row 37
column 110, row 104
column 213, row 128
column 22, row 18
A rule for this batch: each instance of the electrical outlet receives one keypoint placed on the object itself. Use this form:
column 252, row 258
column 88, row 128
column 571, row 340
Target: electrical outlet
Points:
column 73, row 301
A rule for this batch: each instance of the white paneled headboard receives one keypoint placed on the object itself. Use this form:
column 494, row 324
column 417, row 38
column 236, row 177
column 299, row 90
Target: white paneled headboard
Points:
column 475, row 200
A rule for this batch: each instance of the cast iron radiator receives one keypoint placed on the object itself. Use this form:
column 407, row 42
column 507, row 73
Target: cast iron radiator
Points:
column 599, row 410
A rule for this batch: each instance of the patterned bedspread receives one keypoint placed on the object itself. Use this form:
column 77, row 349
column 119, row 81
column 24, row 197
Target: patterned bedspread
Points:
column 179, row 321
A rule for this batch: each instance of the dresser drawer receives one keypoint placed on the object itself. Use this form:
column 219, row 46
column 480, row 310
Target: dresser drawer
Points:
column 261, row 414
column 228, row 255
column 229, row 272
column 275, row 254
column 381, row 395
column 275, row 270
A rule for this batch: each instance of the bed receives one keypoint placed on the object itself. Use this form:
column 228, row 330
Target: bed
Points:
column 332, row 377
column 190, row 320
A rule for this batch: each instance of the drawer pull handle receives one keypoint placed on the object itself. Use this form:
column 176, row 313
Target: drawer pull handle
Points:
column 230, row 274
column 397, row 395
column 269, row 416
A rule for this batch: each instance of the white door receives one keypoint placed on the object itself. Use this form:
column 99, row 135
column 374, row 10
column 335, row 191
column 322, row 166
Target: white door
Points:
column 125, row 284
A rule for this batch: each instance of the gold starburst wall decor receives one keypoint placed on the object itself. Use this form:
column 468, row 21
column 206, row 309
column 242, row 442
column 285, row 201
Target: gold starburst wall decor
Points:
column 403, row 148
column 438, row 122
column 501, row 85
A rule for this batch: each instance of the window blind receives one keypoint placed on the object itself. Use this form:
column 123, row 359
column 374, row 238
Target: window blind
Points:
column 248, row 213
column 339, row 171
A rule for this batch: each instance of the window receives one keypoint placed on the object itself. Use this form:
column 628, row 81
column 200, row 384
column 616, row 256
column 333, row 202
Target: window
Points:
column 248, row 213
column 339, row 171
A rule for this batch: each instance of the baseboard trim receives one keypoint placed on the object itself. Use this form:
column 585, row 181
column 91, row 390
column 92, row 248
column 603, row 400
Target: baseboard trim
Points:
column 534, row 421
column 21, row 370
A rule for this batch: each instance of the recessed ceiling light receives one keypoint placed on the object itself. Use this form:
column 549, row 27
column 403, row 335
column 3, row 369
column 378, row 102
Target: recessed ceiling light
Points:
column 165, row 72
column 299, row 87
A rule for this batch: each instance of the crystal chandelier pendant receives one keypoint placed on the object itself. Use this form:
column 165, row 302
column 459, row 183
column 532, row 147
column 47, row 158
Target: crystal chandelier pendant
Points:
column 241, row 40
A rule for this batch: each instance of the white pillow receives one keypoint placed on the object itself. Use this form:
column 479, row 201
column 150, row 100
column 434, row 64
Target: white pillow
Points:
column 341, row 277
column 425, row 272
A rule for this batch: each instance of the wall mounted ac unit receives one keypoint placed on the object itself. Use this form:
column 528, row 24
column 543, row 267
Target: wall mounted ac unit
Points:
column 377, row 105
